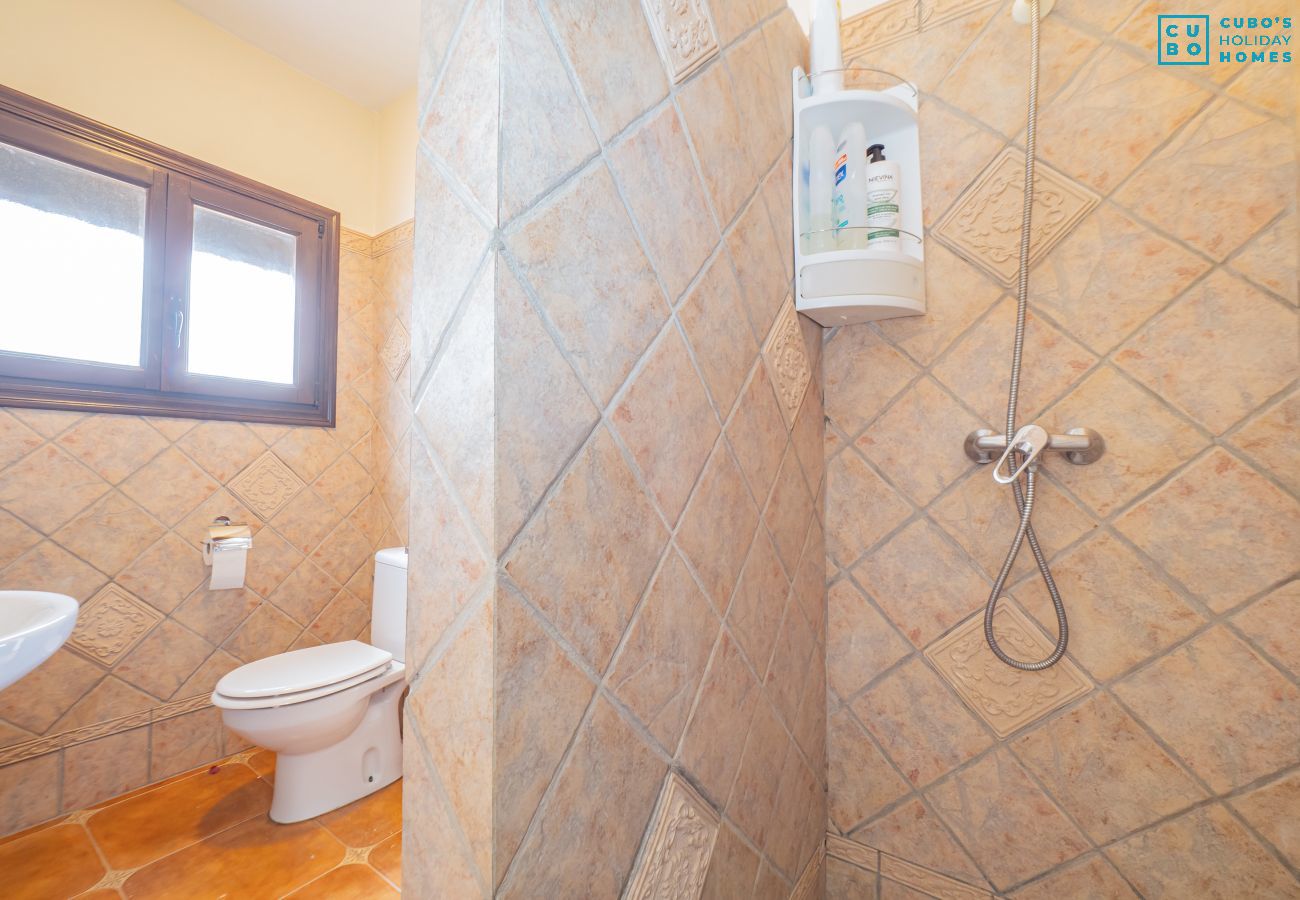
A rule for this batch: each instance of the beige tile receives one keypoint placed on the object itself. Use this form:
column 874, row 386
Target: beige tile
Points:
column 1121, row 611
column 1145, row 441
column 715, row 528
column 1179, row 189
column 992, row 806
column 166, row 658
column 659, row 668
column 184, row 742
column 344, row 552
column 956, row 294
column 789, row 511
column 1195, row 525
column 608, row 760
column 789, row 670
column 860, row 642
column 751, row 804
column 577, row 252
column 462, row 124
column 1238, row 694
column 1109, row 276
column 434, row 857
column 15, row 539
column 922, row 601
column 305, row 521
column 733, row 866
column 1233, row 347
column 926, row 58
column 655, row 168
column 111, row 533
column 104, row 768
column 756, row 245
column 48, row 691
column 863, row 373
column 585, row 559
column 711, row 747
column 1114, row 113
column 112, row 698
column 48, row 422
column 809, row 434
column 923, row 728
column 1267, row 439
column 876, row 27
column 343, row 619
column 1006, row 698
column 215, row 614
column 546, row 390
column 923, row 467
column 29, row 792
column 953, row 151
column 845, row 881
column 718, row 133
column 1205, row 854
column 113, row 446
column 758, row 96
column 169, row 486
column 914, row 832
column 770, row 884
column 308, row 451
column 862, row 782
column 1105, row 770
column 1271, row 811
column 977, row 371
column 54, row 569
column 26, row 488
column 1271, row 620
column 265, row 633
column 222, row 449
column 861, row 507
column 1270, row 259
column 539, row 697
column 1091, row 878
column 667, row 424
column 344, row 484
column 757, row 434
column 169, row 571
column 16, row 439
column 110, row 624
column 611, row 51
column 713, row 317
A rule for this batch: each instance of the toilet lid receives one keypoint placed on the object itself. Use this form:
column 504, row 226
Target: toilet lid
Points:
column 303, row 670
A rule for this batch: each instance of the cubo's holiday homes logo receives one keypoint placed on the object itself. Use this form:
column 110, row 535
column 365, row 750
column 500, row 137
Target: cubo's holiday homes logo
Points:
column 1184, row 41
column 1188, row 41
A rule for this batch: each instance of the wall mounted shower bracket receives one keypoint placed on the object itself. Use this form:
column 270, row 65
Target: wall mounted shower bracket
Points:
column 1080, row 445
column 1020, row 10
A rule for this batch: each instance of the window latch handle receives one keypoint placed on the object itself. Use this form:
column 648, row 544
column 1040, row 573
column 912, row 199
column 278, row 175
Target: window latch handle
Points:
column 179, row 319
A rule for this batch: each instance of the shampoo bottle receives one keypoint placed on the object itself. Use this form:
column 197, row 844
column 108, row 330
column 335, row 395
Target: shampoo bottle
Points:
column 882, row 200
column 850, row 197
column 821, row 181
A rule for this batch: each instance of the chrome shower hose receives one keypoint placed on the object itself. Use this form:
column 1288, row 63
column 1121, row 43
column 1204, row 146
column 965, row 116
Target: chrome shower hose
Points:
column 1024, row 497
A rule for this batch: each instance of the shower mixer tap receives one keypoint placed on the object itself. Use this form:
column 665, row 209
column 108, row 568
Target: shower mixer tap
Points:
column 1079, row 445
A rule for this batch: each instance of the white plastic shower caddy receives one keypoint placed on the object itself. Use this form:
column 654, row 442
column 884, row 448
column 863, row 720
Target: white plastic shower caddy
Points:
column 844, row 287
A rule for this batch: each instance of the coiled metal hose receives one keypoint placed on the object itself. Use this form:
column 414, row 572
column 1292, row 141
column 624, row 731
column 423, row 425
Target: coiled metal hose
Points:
column 1025, row 498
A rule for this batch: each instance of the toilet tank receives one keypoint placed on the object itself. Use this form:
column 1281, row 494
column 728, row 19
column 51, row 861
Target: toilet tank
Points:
column 388, row 606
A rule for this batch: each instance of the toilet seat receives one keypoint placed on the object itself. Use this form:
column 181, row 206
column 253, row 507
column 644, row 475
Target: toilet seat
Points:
column 301, row 675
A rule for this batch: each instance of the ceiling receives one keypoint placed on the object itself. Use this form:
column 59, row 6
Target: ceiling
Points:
column 345, row 44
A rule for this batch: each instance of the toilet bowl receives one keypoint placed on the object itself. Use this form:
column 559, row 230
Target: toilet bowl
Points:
column 330, row 713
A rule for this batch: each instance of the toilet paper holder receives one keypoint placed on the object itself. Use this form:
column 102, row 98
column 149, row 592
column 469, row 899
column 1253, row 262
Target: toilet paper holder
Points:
column 224, row 537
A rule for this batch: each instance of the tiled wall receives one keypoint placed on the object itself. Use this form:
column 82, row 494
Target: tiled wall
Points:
column 616, row 548
column 111, row 509
column 1161, row 756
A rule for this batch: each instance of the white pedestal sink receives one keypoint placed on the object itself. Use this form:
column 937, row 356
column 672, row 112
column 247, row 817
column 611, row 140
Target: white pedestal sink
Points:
column 33, row 624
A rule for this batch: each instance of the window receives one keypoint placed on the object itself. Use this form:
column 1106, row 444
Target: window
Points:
column 135, row 279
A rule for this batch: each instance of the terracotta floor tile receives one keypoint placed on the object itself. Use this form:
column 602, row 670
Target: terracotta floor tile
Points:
column 369, row 820
column 101, row 894
column 51, row 862
column 351, row 882
column 387, row 858
column 258, row 859
column 263, row 763
column 149, row 826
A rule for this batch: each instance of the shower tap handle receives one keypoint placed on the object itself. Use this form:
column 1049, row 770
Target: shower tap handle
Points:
column 1030, row 440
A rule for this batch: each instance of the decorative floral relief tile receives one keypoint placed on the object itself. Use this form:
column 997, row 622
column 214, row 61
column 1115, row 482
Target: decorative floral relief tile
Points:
column 936, row 12
column 266, row 486
column 683, row 33
column 395, row 350
column 854, row 852
column 1004, row 697
column 675, row 858
column 928, row 881
column 880, row 25
column 787, row 359
column 111, row 623
column 810, row 881
column 984, row 224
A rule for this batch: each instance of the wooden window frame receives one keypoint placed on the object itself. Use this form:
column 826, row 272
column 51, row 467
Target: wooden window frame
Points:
column 175, row 183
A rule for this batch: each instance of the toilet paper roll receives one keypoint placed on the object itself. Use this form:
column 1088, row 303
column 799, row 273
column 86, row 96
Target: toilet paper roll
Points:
column 228, row 568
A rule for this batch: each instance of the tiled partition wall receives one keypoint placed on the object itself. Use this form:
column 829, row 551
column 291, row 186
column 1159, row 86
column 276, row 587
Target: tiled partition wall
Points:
column 617, row 556
column 111, row 510
column 1160, row 757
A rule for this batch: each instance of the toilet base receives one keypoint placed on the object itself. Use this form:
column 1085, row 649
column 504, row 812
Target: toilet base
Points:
column 367, row 760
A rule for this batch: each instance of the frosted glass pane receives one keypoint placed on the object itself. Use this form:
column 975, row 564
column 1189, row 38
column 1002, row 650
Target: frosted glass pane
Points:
column 242, row 305
column 71, row 261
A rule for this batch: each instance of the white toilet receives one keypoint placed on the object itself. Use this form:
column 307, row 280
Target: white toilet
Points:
column 328, row 712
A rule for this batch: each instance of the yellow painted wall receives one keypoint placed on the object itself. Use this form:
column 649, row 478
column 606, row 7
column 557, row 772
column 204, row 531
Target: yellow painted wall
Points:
column 155, row 69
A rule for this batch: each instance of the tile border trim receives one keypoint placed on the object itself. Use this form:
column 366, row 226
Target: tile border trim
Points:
column 902, row 871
